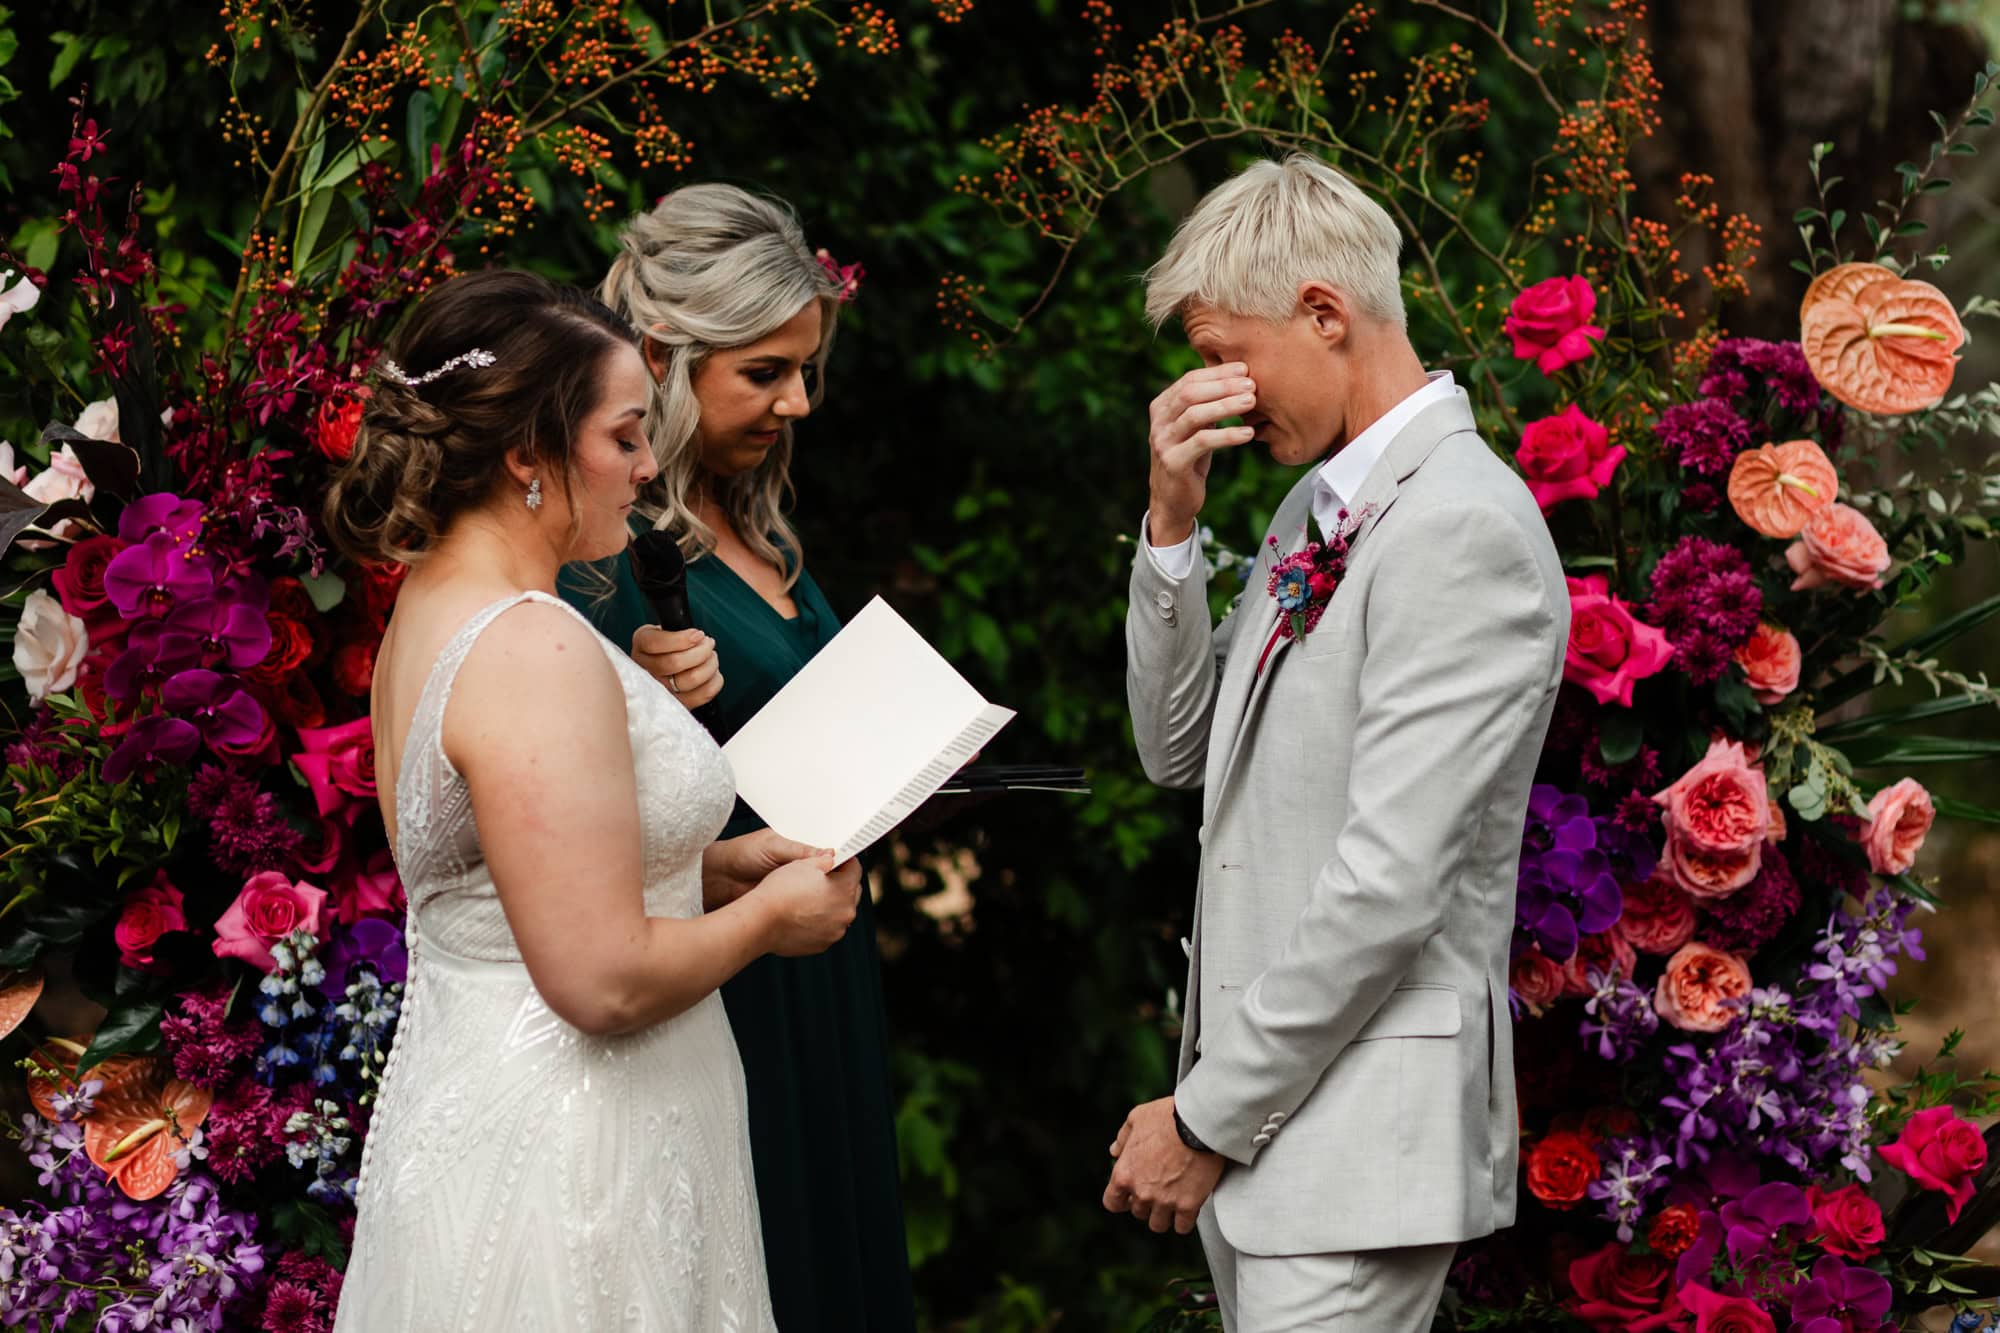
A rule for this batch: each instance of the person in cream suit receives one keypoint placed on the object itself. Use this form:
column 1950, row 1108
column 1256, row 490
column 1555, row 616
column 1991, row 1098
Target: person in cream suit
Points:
column 1344, row 1112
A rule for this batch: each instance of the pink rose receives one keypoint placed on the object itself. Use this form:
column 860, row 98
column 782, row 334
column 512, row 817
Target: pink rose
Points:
column 1939, row 1152
column 1621, row 1292
column 1566, row 457
column 1550, row 323
column 1536, row 979
column 375, row 890
column 1693, row 991
column 1604, row 953
column 1846, row 1222
column 269, row 908
column 1715, row 1313
column 1658, row 916
column 338, row 763
column 64, row 479
column 1720, row 804
column 148, row 914
column 1898, row 819
column 1770, row 662
column 1838, row 545
column 1608, row 649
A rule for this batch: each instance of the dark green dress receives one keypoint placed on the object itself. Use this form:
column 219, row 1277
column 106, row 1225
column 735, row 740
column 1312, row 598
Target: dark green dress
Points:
column 811, row 1031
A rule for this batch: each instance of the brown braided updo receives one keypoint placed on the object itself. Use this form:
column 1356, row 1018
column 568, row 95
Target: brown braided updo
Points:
column 428, row 453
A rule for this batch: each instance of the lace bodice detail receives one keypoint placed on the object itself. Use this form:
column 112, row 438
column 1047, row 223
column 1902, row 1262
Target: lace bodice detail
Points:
column 685, row 794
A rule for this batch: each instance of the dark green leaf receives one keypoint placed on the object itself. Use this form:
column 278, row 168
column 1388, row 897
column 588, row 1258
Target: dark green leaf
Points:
column 1883, row 751
column 134, row 1029
column 1899, row 717
column 70, row 48
column 1619, row 737
column 1951, row 808
column 1738, row 705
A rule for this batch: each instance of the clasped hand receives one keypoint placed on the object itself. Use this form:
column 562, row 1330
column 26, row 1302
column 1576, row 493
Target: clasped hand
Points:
column 1158, row 1179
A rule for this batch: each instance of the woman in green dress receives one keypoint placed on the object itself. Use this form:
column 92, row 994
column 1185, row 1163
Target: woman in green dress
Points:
column 738, row 317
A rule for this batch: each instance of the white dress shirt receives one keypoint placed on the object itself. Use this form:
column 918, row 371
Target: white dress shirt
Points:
column 1339, row 478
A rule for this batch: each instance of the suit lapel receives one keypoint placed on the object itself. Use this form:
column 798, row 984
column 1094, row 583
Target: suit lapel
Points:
column 1405, row 454
column 1257, row 616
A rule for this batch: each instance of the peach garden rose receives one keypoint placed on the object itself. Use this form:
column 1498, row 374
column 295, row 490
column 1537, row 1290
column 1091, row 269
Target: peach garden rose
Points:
column 1694, row 990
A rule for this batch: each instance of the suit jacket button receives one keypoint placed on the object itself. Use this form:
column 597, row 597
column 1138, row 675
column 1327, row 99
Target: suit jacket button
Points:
column 1164, row 601
column 1186, row 947
column 1260, row 1140
column 1279, row 1118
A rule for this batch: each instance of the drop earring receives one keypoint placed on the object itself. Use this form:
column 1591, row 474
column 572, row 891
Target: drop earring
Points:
column 535, row 493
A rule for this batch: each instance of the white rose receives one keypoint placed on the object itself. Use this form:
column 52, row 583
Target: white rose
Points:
column 49, row 645
column 100, row 420
column 18, row 299
column 64, row 480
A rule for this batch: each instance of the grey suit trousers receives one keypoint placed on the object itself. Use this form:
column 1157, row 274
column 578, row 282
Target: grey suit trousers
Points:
column 1369, row 1291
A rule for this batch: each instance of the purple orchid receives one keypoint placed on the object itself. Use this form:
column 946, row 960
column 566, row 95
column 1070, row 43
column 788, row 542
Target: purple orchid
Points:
column 220, row 708
column 1571, row 868
column 1754, row 1223
column 150, row 579
column 227, row 633
column 161, row 740
column 154, row 651
column 1841, row 1297
column 161, row 512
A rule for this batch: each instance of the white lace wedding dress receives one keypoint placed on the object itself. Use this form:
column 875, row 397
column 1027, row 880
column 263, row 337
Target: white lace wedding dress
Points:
column 520, row 1174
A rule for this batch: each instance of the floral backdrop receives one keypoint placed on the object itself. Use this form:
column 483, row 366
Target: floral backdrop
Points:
column 200, row 921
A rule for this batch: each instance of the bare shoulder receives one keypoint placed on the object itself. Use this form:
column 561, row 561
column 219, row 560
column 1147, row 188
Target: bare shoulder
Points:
column 537, row 672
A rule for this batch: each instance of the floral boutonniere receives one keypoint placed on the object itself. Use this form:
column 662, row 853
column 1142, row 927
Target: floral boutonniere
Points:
column 1304, row 581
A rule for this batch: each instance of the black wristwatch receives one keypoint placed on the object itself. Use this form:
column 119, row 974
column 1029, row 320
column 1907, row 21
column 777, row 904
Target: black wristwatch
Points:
column 1188, row 1136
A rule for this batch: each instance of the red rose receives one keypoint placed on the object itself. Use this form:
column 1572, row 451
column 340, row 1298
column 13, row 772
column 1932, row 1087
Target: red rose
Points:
column 291, row 645
column 290, row 599
column 1658, row 917
column 1566, row 457
column 1621, row 1292
column 148, row 914
column 1940, row 1152
column 354, row 667
column 376, row 890
column 1674, row 1230
column 1560, row 1168
column 1550, row 323
column 298, row 702
column 377, row 592
column 1716, row 1313
column 1846, row 1222
column 336, row 425
column 1605, row 952
column 80, row 581
column 1536, row 979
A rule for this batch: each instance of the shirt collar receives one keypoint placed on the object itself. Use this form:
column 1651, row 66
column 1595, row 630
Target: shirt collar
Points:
column 1339, row 478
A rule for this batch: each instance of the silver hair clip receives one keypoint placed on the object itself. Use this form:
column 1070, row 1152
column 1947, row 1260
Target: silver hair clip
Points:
column 477, row 357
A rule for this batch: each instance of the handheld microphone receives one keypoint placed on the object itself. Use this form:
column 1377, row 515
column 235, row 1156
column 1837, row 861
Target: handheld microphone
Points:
column 661, row 571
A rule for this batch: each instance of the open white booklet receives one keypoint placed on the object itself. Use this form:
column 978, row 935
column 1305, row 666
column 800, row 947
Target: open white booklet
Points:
column 864, row 734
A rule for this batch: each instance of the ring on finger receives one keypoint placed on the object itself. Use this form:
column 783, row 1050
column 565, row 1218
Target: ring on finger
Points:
column 670, row 682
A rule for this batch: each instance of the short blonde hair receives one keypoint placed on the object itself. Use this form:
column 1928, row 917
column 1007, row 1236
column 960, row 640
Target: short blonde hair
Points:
column 1253, row 239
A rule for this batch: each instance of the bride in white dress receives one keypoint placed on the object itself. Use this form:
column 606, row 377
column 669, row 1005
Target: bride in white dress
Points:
column 560, row 1138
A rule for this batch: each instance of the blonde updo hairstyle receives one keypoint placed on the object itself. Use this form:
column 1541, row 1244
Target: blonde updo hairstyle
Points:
column 426, row 454
column 712, row 267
